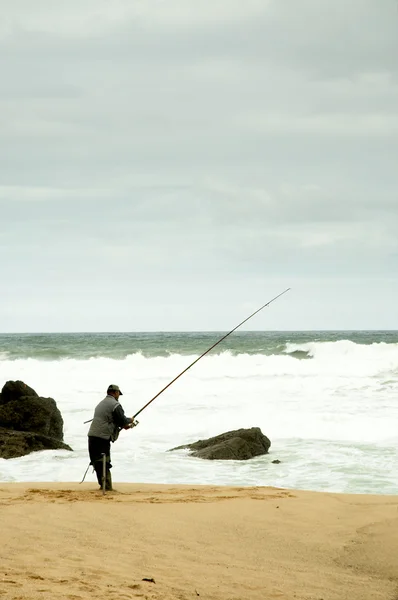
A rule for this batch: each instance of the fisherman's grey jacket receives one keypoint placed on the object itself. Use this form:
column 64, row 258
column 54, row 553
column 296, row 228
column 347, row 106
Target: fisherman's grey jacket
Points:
column 109, row 419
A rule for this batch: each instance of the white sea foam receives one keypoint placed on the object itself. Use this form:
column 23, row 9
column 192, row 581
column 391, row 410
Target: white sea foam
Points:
column 331, row 418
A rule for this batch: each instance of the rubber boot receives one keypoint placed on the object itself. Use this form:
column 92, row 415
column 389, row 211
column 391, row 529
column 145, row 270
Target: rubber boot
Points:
column 108, row 481
column 98, row 471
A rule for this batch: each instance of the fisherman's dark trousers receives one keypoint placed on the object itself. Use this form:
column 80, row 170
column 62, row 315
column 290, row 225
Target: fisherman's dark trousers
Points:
column 96, row 448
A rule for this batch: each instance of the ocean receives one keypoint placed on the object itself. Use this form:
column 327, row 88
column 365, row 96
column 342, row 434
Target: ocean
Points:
column 327, row 400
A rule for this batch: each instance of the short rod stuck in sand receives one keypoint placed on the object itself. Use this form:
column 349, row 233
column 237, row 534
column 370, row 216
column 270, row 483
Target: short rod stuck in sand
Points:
column 103, row 473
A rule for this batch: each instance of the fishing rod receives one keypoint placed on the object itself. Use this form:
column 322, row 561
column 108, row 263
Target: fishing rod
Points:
column 209, row 350
column 204, row 354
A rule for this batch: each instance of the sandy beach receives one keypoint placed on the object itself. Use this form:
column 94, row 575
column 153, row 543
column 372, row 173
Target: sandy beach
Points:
column 186, row 542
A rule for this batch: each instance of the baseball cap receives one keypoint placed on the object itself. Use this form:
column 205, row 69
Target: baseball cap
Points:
column 114, row 388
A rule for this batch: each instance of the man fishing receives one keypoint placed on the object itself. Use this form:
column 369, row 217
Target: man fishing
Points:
column 109, row 419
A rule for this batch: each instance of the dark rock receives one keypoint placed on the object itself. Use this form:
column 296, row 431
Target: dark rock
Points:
column 14, row 444
column 13, row 390
column 240, row 444
column 35, row 414
column 276, row 462
column 28, row 422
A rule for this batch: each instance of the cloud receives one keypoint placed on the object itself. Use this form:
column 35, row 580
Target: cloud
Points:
column 181, row 147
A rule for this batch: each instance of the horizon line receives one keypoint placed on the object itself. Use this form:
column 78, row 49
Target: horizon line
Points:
column 179, row 331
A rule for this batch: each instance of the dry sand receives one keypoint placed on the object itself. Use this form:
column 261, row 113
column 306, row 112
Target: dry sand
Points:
column 195, row 542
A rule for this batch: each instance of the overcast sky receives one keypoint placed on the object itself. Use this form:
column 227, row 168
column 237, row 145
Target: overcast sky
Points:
column 173, row 165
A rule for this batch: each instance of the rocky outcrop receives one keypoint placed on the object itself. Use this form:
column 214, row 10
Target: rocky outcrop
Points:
column 28, row 422
column 240, row 444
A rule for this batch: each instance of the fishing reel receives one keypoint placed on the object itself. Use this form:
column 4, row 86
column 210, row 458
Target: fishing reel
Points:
column 133, row 424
